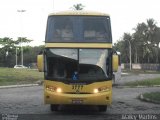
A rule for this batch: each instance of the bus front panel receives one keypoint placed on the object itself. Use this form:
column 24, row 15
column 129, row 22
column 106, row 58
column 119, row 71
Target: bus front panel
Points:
column 99, row 93
column 78, row 76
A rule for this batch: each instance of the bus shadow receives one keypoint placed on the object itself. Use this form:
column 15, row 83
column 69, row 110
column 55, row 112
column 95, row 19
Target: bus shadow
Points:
column 79, row 110
column 83, row 112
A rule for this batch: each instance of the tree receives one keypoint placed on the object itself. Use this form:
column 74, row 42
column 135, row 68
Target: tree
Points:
column 152, row 36
column 8, row 50
column 138, row 46
column 120, row 46
column 78, row 6
column 123, row 46
column 127, row 37
column 30, row 55
column 145, row 42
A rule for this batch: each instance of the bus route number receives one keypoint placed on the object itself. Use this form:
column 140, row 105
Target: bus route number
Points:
column 77, row 87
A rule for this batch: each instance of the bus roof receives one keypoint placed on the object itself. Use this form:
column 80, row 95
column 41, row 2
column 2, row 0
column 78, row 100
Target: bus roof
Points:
column 79, row 12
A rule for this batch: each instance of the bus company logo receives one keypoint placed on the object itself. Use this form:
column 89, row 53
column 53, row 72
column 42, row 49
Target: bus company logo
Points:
column 77, row 91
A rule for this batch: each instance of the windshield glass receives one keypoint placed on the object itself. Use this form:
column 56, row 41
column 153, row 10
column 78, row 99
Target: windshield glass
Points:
column 78, row 29
column 78, row 64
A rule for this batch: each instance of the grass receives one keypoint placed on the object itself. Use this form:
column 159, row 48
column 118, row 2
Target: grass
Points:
column 149, row 82
column 11, row 76
column 153, row 96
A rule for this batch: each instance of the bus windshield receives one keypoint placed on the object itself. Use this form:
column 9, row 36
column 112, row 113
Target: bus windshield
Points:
column 78, row 29
column 78, row 64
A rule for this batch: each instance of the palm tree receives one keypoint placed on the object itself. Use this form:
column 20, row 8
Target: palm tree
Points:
column 145, row 43
column 139, row 42
column 78, row 6
column 152, row 38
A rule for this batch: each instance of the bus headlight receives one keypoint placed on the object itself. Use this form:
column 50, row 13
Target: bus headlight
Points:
column 101, row 89
column 53, row 89
column 58, row 90
column 95, row 90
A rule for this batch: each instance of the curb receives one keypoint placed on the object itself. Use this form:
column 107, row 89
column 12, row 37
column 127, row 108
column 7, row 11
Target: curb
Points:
column 141, row 97
column 136, row 86
column 17, row 86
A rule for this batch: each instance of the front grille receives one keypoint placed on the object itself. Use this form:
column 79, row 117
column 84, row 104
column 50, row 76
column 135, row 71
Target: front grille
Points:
column 77, row 93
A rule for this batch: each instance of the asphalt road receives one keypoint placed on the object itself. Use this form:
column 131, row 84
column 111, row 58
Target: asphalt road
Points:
column 27, row 103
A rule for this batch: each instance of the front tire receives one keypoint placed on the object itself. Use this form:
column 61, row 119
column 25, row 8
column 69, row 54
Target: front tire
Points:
column 54, row 107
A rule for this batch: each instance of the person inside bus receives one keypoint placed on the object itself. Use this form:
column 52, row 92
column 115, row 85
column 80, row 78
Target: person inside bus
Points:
column 67, row 33
column 100, row 35
column 57, row 34
column 89, row 33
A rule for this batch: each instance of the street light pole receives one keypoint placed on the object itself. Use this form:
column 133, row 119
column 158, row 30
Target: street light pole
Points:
column 21, row 11
column 16, row 55
column 130, row 55
column 53, row 4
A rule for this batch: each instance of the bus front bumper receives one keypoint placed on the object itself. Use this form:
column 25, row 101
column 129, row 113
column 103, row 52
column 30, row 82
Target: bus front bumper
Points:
column 102, row 98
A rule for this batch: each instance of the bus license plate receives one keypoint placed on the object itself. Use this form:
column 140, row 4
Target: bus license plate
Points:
column 77, row 101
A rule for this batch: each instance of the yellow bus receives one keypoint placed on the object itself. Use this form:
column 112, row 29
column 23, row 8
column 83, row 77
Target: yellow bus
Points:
column 78, row 61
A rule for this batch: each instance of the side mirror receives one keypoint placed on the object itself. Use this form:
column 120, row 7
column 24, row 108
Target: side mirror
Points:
column 115, row 63
column 40, row 63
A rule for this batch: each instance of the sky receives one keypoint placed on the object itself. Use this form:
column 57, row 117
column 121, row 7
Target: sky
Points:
column 125, row 15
